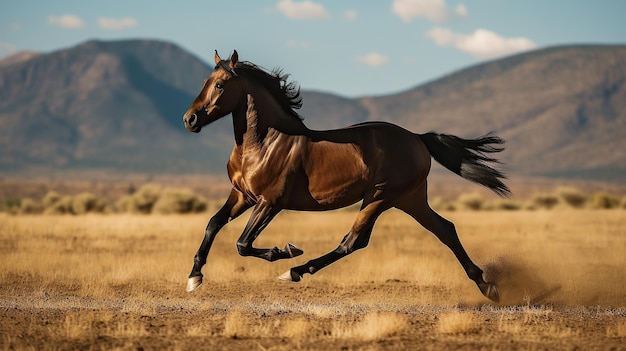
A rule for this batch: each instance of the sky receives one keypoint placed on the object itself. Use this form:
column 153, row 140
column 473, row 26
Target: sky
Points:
column 346, row 47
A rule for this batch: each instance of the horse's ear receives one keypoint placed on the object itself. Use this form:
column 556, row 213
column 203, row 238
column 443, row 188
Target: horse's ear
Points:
column 234, row 59
column 217, row 58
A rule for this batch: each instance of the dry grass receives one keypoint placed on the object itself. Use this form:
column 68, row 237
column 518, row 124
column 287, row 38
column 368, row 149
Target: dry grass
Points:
column 118, row 281
column 371, row 326
column 457, row 322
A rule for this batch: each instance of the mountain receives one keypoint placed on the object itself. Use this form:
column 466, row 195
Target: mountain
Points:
column 108, row 105
column 118, row 105
column 562, row 110
column 19, row 57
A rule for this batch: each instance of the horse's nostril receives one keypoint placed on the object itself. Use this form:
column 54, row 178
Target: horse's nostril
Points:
column 191, row 121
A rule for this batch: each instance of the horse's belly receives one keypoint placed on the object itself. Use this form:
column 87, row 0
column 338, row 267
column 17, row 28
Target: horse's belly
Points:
column 330, row 180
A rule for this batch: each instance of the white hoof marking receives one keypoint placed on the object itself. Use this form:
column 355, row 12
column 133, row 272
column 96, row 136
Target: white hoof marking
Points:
column 193, row 283
column 289, row 277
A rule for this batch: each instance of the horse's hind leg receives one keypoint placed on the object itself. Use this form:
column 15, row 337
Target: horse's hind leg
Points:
column 418, row 208
column 356, row 239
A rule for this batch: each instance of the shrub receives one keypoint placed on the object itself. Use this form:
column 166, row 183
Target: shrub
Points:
column 11, row 205
column 124, row 204
column 61, row 206
column 449, row 206
column 152, row 198
column 30, row 206
column 543, row 200
column 144, row 198
column 471, row 201
column 604, row 201
column 437, row 203
column 440, row 204
column 50, row 199
column 572, row 196
column 505, row 204
column 87, row 202
column 179, row 201
column 529, row 205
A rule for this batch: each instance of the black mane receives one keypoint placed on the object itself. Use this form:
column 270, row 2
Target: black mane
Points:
column 286, row 93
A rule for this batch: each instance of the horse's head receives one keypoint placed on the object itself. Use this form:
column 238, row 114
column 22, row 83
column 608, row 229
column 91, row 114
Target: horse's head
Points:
column 221, row 94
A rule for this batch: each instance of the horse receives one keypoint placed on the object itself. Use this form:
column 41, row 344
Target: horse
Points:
column 277, row 163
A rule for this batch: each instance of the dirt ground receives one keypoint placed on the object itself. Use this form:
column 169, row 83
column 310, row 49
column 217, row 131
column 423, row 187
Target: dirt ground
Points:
column 247, row 316
column 117, row 282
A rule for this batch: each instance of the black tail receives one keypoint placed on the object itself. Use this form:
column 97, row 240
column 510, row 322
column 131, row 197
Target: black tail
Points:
column 468, row 158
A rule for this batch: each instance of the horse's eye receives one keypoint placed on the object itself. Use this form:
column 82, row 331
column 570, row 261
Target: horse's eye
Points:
column 219, row 86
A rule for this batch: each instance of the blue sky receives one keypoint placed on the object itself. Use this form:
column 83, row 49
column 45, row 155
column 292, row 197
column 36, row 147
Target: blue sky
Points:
column 347, row 47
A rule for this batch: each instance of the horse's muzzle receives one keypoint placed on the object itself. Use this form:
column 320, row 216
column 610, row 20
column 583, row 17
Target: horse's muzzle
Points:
column 191, row 123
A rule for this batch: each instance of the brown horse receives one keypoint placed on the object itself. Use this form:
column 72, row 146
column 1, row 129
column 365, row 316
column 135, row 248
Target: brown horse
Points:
column 278, row 163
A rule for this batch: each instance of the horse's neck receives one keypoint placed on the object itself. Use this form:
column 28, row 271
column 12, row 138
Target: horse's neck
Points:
column 253, row 123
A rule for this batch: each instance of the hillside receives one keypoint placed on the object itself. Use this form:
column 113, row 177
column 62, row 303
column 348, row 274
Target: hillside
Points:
column 117, row 106
column 562, row 110
column 109, row 105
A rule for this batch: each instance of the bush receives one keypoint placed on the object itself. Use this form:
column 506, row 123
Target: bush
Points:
column 572, row 196
column 50, row 199
column 508, row 205
column 30, row 206
column 11, row 205
column 604, row 201
column 179, row 201
column 471, row 201
column 152, row 198
column 61, row 206
column 547, row 201
column 437, row 203
column 87, row 202
column 144, row 199
column 124, row 204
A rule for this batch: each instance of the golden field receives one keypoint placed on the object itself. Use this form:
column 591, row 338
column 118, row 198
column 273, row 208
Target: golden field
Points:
column 118, row 282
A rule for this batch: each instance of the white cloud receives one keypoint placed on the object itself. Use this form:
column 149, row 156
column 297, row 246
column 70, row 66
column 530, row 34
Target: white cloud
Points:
column 67, row 21
column 117, row 23
column 433, row 10
column 407, row 10
column 482, row 43
column 441, row 36
column 305, row 10
column 351, row 15
column 373, row 59
column 297, row 44
column 461, row 10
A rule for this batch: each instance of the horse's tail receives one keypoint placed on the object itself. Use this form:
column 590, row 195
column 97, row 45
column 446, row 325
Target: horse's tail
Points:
column 468, row 158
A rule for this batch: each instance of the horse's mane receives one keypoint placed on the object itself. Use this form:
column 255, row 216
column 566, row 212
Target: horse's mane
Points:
column 276, row 82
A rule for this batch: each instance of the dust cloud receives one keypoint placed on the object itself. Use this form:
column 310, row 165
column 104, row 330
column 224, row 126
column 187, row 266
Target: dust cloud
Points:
column 525, row 282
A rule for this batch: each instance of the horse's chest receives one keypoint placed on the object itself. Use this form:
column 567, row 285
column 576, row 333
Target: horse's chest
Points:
column 258, row 176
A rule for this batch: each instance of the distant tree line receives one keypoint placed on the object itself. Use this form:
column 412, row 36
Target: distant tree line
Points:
column 156, row 199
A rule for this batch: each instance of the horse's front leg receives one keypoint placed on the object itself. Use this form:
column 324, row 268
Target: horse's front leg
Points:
column 261, row 216
column 234, row 206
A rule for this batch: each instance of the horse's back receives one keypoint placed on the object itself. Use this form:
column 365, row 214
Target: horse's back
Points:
column 391, row 154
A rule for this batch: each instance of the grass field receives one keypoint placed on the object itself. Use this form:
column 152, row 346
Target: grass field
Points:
column 105, row 282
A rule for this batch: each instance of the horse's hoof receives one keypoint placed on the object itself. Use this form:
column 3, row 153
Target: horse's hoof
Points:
column 293, row 250
column 290, row 276
column 490, row 291
column 193, row 283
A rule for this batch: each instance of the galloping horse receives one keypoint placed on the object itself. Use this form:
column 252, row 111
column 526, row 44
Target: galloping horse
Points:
column 278, row 163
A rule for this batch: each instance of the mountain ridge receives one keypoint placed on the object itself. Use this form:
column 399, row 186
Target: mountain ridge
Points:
column 117, row 105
